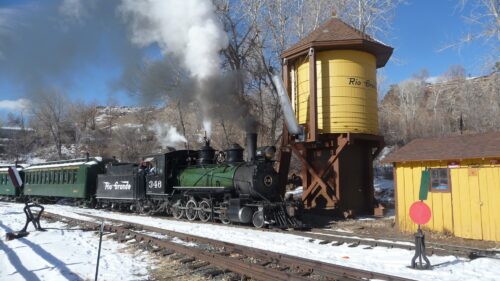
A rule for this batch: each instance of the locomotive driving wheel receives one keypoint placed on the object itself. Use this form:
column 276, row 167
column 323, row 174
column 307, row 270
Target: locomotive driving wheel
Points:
column 224, row 219
column 223, row 213
column 258, row 219
column 191, row 213
column 205, row 211
column 177, row 210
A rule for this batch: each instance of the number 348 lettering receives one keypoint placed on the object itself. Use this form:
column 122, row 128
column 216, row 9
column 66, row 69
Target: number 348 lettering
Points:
column 154, row 184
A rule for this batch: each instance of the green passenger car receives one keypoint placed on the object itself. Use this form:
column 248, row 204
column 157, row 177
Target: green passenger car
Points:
column 6, row 186
column 63, row 179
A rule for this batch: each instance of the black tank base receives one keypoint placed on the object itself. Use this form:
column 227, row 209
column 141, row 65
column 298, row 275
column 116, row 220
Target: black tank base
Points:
column 423, row 261
column 30, row 217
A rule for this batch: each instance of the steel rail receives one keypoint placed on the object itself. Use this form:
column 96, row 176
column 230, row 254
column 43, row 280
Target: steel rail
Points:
column 369, row 240
column 303, row 265
column 375, row 241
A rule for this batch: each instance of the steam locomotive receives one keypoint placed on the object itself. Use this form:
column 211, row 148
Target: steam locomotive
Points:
column 198, row 185
column 203, row 184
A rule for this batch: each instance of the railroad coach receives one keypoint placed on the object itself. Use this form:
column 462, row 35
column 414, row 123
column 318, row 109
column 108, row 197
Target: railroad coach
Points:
column 6, row 186
column 63, row 179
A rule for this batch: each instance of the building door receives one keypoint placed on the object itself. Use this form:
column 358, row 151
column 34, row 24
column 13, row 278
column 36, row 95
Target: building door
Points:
column 489, row 189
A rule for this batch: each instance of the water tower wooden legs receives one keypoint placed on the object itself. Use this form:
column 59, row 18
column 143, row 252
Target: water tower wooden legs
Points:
column 318, row 176
column 336, row 171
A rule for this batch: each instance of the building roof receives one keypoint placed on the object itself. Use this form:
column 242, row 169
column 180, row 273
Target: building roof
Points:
column 336, row 34
column 486, row 145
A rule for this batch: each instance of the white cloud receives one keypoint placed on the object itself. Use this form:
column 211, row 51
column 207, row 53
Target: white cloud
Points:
column 15, row 105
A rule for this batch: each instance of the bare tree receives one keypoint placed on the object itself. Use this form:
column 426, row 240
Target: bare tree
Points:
column 21, row 141
column 51, row 117
column 372, row 17
column 414, row 109
column 483, row 14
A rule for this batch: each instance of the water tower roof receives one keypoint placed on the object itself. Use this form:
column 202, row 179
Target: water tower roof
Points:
column 334, row 34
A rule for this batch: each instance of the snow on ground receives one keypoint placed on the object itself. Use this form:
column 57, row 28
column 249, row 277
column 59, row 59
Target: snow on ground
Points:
column 379, row 259
column 63, row 254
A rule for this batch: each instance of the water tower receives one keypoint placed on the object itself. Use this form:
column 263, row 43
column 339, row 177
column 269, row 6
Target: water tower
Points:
column 330, row 78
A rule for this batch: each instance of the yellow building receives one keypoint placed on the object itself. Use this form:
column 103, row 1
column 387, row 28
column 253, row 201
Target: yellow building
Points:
column 464, row 188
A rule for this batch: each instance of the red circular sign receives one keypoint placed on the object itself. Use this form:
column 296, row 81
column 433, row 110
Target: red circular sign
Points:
column 420, row 213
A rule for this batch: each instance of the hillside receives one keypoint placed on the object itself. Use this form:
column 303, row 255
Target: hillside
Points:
column 415, row 108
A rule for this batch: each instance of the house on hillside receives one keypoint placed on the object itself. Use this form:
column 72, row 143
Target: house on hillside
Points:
column 464, row 188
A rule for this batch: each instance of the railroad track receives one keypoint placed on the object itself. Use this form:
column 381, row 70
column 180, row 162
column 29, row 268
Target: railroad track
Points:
column 373, row 241
column 357, row 239
column 244, row 261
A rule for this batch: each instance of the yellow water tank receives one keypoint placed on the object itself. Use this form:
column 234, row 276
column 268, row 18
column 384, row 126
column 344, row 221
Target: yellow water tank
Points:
column 346, row 91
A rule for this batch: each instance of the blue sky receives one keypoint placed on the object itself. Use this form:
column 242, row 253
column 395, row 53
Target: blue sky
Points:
column 423, row 27
column 420, row 28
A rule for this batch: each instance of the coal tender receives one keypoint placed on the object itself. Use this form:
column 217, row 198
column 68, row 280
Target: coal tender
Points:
column 120, row 187
column 203, row 185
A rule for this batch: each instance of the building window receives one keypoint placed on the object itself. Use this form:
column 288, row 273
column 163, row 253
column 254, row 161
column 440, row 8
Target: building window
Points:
column 440, row 180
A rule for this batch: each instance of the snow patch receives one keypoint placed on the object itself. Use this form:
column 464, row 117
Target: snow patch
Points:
column 379, row 259
column 63, row 253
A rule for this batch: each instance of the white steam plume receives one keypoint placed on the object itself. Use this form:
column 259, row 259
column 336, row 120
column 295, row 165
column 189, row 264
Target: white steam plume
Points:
column 207, row 126
column 188, row 29
column 167, row 135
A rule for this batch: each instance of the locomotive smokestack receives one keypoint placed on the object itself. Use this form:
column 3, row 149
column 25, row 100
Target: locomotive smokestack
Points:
column 251, row 146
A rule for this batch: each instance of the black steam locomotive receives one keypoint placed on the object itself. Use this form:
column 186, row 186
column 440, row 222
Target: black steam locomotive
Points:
column 202, row 185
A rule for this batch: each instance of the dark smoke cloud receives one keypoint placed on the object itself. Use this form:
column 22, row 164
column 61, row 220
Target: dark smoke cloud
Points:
column 222, row 99
column 155, row 80
column 45, row 47
column 219, row 96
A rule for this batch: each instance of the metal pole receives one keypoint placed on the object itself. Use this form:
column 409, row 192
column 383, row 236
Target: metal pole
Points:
column 101, row 230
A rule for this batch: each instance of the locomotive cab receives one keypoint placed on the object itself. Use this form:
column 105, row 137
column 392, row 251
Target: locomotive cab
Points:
column 162, row 175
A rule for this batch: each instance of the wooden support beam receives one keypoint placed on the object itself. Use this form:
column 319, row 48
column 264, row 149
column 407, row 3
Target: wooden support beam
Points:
column 342, row 144
column 320, row 182
column 313, row 98
column 306, row 164
column 285, row 154
column 283, row 167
